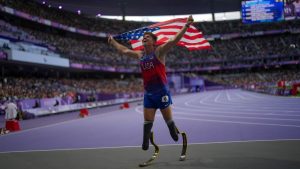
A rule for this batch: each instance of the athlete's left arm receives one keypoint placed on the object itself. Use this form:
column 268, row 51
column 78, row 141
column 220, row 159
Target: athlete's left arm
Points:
column 163, row 49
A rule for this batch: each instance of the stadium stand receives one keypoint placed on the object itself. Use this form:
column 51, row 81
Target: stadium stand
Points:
column 28, row 87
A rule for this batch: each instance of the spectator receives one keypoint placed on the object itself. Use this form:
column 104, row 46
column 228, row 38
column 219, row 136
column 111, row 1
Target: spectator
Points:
column 11, row 111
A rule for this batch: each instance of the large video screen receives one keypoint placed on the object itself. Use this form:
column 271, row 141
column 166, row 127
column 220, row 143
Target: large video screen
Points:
column 257, row 11
column 291, row 9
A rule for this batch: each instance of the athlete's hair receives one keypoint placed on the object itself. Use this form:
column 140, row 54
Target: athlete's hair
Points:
column 152, row 35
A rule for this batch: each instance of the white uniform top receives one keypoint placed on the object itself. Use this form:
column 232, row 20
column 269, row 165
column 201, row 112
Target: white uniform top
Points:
column 11, row 111
column 297, row 6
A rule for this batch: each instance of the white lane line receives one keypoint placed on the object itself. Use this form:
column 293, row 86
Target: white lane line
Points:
column 228, row 121
column 238, row 117
column 239, row 122
column 237, row 108
column 228, row 96
column 224, row 111
column 195, row 98
column 201, row 100
column 239, row 104
column 55, row 124
column 161, row 145
column 240, row 96
column 264, row 103
column 266, row 99
column 217, row 97
column 253, row 95
column 270, row 96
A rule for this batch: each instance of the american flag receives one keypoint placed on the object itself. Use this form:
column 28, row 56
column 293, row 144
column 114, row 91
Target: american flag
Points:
column 192, row 39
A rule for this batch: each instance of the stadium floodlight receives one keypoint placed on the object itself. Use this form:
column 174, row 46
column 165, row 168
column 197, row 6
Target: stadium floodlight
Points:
column 60, row 7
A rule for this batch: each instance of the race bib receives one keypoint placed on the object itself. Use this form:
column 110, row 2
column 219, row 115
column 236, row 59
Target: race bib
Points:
column 165, row 99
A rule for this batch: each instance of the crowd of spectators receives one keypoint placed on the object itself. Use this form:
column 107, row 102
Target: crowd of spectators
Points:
column 250, row 51
column 84, row 51
column 259, row 79
column 77, row 50
column 253, row 51
column 32, row 87
column 227, row 27
column 8, row 30
column 71, row 18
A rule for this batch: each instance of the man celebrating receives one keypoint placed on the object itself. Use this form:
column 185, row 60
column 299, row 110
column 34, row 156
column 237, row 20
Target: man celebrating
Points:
column 152, row 63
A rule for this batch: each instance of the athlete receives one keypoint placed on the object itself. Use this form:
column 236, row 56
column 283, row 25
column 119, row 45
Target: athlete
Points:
column 152, row 63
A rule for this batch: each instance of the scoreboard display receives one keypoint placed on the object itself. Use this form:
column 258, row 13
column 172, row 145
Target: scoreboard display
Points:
column 257, row 11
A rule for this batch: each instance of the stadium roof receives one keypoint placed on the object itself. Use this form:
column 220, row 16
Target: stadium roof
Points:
column 145, row 7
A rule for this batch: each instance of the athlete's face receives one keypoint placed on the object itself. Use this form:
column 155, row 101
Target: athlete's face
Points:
column 148, row 40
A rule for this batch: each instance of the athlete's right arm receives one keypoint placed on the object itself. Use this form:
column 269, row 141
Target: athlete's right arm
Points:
column 123, row 49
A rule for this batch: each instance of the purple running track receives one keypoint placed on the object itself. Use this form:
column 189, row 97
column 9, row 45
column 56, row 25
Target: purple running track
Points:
column 215, row 116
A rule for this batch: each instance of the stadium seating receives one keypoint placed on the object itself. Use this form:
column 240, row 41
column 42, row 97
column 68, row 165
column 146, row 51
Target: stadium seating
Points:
column 14, row 88
column 253, row 51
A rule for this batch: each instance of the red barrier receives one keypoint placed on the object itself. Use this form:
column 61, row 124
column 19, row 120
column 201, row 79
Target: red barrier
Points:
column 12, row 125
column 84, row 112
column 125, row 105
